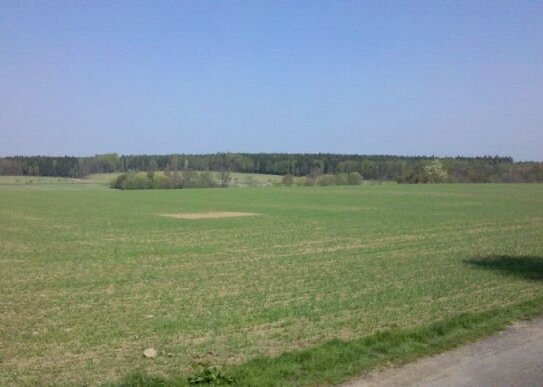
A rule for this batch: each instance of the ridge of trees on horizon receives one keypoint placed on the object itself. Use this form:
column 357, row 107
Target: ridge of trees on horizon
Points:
column 403, row 169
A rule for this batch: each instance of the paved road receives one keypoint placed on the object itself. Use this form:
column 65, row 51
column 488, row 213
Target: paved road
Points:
column 511, row 358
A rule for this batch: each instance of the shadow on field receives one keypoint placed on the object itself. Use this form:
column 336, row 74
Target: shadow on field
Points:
column 526, row 267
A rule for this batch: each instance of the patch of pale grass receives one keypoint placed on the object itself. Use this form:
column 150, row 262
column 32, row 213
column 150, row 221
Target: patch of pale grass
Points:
column 208, row 215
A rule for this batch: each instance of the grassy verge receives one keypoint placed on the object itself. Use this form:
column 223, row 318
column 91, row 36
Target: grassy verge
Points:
column 338, row 361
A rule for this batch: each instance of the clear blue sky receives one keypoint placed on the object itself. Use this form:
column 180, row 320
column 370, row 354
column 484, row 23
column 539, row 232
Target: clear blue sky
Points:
column 370, row 77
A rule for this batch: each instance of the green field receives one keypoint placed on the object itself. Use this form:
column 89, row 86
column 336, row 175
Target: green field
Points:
column 92, row 276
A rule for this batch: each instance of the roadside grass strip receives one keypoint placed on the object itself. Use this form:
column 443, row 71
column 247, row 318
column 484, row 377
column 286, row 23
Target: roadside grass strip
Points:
column 338, row 361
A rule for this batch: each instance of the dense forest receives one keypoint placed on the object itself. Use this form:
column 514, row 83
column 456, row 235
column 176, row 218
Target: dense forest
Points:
column 402, row 169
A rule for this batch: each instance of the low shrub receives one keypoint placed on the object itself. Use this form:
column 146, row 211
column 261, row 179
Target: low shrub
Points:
column 142, row 180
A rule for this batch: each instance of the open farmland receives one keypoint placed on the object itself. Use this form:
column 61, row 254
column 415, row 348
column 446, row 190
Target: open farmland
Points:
column 92, row 276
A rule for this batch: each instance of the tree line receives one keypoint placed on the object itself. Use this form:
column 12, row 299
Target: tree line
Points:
column 170, row 180
column 404, row 169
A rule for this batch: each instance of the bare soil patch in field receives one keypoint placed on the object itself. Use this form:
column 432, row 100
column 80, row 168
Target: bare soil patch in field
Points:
column 209, row 215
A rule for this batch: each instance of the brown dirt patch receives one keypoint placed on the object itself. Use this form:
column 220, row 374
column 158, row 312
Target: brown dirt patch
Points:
column 209, row 215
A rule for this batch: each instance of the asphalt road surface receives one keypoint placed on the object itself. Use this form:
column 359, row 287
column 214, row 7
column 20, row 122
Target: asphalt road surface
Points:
column 513, row 357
